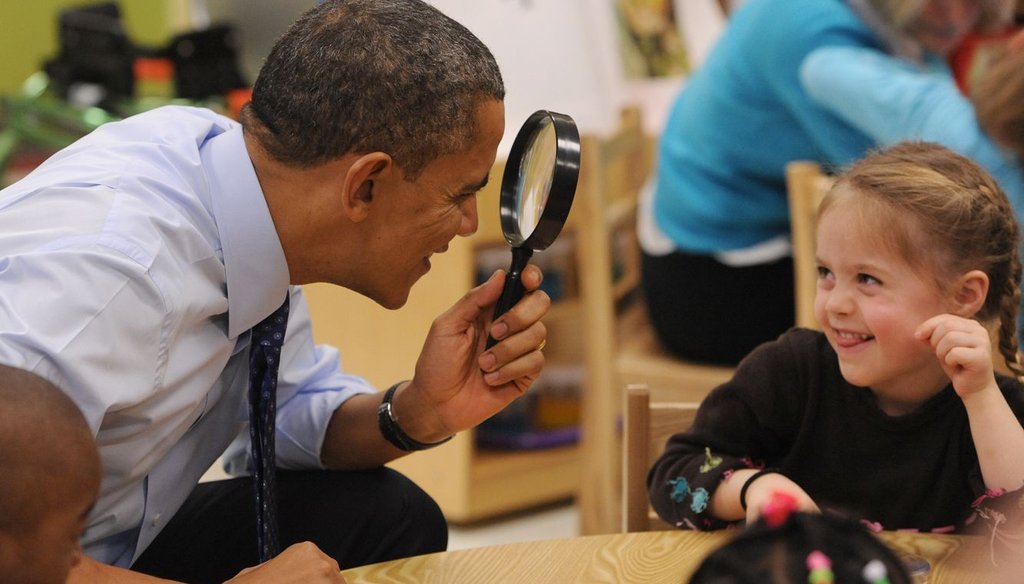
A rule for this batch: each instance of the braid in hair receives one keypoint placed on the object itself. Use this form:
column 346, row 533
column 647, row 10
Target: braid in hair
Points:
column 1009, row 307
column 1003, row 268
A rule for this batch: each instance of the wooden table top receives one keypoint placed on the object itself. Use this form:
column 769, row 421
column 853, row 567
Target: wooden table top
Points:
column 653, row 557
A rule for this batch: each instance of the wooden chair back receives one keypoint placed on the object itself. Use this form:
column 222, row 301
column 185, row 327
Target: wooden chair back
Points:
column 806, row 185
column 620, row 345
column 648, row 425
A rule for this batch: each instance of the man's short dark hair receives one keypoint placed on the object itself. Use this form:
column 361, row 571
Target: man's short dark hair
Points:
column 43, row 435
column 358, row 76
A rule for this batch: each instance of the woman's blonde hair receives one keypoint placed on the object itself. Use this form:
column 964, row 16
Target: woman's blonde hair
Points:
column 938, row 208
column 900, row 13
column 998, row 98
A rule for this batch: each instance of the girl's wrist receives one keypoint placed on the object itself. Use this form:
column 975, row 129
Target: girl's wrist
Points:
column 983, row 398
column 750, row 480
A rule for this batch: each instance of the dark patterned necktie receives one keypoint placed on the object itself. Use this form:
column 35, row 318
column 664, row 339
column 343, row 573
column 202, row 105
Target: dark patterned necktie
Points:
column 264, row 357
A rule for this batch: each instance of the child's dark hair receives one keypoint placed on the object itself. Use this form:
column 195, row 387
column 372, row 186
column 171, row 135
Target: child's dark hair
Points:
column 923, row 196
column 803, row 543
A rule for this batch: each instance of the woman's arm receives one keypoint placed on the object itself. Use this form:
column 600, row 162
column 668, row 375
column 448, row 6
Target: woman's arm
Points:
column 891, row 100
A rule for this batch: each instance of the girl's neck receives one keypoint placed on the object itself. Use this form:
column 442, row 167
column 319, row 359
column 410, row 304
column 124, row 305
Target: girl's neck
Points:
column 903, row 396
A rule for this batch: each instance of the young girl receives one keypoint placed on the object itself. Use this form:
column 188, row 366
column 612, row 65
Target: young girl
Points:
column 893, row 415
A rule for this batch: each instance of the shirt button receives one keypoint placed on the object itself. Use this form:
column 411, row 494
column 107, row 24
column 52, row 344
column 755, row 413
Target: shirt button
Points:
column 156, row 519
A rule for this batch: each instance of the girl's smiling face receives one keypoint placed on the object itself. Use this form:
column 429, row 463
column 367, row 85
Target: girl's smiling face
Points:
column 869, row 302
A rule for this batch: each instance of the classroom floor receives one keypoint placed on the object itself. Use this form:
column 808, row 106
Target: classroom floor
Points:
column 552, row 522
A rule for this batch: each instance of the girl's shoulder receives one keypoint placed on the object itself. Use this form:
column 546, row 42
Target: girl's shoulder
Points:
column 799, row 356
column 796, row 344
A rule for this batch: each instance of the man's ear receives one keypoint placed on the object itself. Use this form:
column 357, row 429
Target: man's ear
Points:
column 969, row 292
column 358, row 192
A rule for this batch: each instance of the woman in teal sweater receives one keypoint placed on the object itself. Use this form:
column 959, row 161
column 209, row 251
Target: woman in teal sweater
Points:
column 716, row 268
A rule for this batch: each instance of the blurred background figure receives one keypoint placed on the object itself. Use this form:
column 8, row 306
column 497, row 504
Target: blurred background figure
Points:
column 717, row 272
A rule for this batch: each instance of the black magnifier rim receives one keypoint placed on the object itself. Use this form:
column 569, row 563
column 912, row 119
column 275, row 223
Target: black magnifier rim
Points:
column 563, row 182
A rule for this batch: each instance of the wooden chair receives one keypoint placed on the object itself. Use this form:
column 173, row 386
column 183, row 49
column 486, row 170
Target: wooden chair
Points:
column 619, row 342
column 806, row 185
column 647, row 427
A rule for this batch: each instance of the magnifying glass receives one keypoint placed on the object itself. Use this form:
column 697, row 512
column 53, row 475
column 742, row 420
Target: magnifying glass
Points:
column 537, row 190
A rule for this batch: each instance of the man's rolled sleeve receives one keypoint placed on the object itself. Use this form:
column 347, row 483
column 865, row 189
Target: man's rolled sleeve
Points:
column 311, row 386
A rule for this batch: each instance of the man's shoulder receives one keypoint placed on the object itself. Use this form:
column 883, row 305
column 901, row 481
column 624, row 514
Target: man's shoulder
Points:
column 184, row 114
column 168, row 124
column 163, row 146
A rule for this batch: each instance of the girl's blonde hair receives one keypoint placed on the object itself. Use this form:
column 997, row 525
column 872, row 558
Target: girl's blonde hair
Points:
column 936, row 207
column 998, row 99
column 900, row 13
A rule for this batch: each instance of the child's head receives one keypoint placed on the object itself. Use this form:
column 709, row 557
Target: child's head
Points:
column 998, row 99
column 49, row 482
column 802, row 543
column 916, row 225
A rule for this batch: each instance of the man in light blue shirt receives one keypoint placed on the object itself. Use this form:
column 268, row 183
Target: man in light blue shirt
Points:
column 135, row 261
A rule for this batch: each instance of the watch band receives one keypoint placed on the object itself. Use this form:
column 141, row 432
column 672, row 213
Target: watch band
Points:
column 392, row 432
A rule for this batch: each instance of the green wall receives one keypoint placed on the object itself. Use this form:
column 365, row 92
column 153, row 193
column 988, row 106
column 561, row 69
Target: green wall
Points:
column 28, row 32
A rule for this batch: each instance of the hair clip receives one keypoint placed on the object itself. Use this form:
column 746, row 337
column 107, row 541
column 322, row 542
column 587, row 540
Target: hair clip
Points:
column 820, row 568
column 778, row 509
column 874, row 572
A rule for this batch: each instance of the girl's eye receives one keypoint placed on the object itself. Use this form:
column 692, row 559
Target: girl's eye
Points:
column 867, row 279
column 824, row 273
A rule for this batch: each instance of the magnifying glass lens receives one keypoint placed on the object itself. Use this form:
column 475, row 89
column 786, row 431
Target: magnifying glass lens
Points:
column 535, row 175
column 537, row 190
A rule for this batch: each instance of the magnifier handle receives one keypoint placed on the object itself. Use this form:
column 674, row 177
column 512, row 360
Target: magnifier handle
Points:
column 513, row 289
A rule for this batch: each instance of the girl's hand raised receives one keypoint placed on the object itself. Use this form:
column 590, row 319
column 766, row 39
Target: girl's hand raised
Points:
column 964, row 350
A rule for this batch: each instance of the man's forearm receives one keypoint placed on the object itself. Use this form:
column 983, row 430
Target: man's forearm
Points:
column 353, row 440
